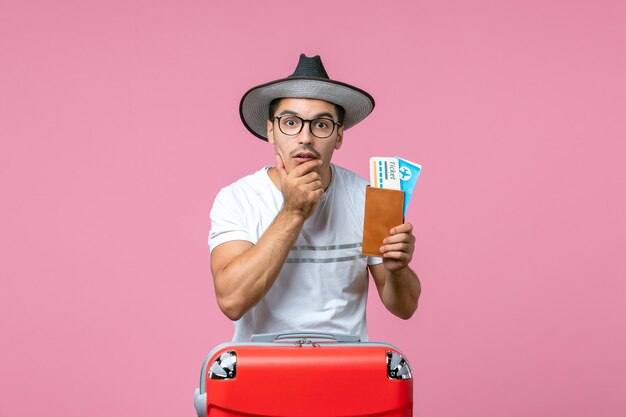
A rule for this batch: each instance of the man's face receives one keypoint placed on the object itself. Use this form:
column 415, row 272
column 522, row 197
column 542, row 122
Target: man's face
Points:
column 303, row 147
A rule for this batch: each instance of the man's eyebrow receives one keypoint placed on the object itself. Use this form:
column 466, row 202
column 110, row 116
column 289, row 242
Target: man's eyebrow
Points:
column 284, row 112
column 316, row 116
column 325, row 114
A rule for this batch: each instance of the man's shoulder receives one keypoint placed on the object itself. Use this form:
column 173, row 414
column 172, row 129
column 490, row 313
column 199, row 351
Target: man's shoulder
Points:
column 250, row 182
column 349, row 178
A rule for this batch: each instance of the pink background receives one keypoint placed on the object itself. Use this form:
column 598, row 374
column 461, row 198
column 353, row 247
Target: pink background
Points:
column 119, row 123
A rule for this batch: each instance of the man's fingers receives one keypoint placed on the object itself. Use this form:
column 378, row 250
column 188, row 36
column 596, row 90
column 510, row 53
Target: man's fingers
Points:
column 318, row 193
column 310, row 177
column 399, row 239
column 403, row 228
column 315, row 186
column 306, row 167
column 398, row 256
column 400, row 246
column 401, row 234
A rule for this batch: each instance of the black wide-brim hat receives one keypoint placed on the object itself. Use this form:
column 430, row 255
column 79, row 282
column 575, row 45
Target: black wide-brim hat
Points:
column 309, row 80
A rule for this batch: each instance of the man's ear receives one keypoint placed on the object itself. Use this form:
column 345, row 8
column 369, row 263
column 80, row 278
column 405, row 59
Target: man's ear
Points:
column 339, row 140
column 270, row 131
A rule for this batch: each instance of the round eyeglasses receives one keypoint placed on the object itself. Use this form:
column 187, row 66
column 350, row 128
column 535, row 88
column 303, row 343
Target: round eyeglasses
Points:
column 292, row 125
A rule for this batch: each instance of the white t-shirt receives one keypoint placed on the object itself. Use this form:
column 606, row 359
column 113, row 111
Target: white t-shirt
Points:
column 323, row 283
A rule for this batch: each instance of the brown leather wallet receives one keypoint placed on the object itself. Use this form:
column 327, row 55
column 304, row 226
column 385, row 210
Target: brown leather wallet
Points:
column 384, row 210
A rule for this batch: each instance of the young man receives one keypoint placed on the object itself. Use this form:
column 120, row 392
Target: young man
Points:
column 286, row 241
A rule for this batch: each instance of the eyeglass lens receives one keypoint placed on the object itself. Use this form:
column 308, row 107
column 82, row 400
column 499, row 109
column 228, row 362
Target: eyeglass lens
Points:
column 292, row 125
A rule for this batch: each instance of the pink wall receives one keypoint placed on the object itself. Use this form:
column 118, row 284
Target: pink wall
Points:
column 119, row 123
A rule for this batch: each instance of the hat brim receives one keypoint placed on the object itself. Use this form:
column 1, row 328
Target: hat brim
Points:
column 255, row 104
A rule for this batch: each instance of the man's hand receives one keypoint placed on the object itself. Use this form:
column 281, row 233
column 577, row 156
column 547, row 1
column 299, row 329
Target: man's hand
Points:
column 397, row 284
column 398, row 248
column 301, row 188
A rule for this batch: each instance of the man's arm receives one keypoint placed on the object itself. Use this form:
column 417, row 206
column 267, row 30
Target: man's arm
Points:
column 242, row 272
column 397, row 284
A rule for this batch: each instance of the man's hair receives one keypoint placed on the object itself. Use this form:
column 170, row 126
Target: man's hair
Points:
column 341, row 113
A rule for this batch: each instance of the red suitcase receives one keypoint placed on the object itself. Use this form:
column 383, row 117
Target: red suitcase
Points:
column 305, row 375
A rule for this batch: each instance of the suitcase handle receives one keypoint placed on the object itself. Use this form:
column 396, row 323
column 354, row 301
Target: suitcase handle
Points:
column 275, row 337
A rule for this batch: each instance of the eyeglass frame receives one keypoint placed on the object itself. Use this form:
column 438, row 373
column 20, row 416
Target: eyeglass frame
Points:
column 335, row 124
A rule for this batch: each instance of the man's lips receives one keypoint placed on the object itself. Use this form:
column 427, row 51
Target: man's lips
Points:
column 304, row 156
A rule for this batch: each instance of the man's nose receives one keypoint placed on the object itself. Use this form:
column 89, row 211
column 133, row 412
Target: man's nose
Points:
column 305, row 135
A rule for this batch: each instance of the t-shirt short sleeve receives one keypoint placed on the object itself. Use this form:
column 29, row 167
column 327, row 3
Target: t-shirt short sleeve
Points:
column 227, row 224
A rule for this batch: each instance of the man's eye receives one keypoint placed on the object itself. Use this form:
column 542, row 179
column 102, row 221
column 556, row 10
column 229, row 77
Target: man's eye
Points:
column 322, row 124
column 291, row 122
